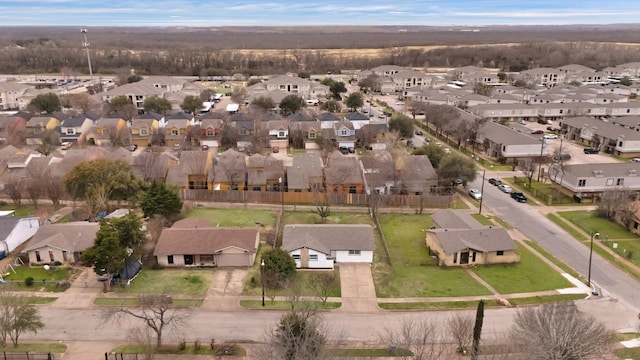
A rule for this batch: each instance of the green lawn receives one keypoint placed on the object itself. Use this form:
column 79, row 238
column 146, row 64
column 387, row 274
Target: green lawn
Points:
column 307, row 217
column 253, row 286
column 566, row 227
column 529, row 275
column 473, row 304
column 590, row 223
column 24, row 210
column 369, row 353
column 203, row 348
column 42, row 348
column 46, row 279
column 414, row 272
column 128, row 301
column 553, row 259
column 235, row 217
column 482, row 219
column 628, row 249
column 170, row 281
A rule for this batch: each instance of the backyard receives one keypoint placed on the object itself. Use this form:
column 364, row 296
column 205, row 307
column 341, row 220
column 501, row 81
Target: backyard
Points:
column 235, row 217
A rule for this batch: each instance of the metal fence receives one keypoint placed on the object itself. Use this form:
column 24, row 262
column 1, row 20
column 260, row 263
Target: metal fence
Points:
column 121, row 356
column 26, row 356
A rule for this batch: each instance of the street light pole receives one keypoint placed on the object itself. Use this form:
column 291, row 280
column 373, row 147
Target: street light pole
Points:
column 262, row 279
column 280, row 185
column 540, row 160
column 595, row 234
column 482, row 192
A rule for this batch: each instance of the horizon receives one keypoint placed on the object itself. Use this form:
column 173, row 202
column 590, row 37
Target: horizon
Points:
column 253, row 13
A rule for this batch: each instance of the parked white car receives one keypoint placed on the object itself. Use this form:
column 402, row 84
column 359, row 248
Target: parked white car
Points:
column 475, row 193
column 550, row 136
column 504, row 188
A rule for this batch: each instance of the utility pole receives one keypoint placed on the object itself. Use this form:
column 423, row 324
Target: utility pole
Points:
column 482, row 192
column 540, row 160
column 86, row 45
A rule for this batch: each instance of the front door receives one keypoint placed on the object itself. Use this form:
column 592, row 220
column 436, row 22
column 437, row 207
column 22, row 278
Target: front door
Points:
column 188, row 259
column 464, row 257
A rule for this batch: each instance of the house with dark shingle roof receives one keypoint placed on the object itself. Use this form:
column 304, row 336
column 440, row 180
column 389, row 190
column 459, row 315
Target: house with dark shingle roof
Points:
column 457, row 240
column 342, row 175
column 320, row 246
column 194, row 243
column 72, row 128
column 305, row 173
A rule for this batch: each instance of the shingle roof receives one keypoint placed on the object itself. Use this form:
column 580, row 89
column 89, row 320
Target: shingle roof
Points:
column 455, row 219
column 608, row 169
column 326, row 238
column 304, row 166
column 484, row 240
column 179, row 241
column 73, row 236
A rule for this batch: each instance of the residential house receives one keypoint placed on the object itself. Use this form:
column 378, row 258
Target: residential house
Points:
column 320, row 246
column 290, row 84
column 38, row 125
column 72, row 128
column 589, row 181
column 192, row 170
column 386, row 70
column 175, row 132
column 547, row 77
column 604, row 136
column 475, row 75
column 342, row 175
column 160, row 118
column 12, row 130
column 143, row 130
column 343, row 135
column 10, row 93
column 328, row 120
column 211, row 131
column 137, row 92
column 15, row 230
column 457, row 239
column 153, row 166
column 62, row 242
column 372, row 136
column 406, row 79
column 308, row 132
column 502, row 141
column 504, row 112
column 194, row 242
column 416, row 175
column 265, row 173
column 305, row 173
column 106, row 130
column 357, row 119
column 278, row 133
column 229, row 171
column 623, row 108
column 379, row 171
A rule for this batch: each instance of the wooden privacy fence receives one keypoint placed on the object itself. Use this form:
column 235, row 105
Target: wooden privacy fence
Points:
column 309, row 198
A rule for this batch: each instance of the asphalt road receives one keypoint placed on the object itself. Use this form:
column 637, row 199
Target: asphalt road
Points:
column 537, row 227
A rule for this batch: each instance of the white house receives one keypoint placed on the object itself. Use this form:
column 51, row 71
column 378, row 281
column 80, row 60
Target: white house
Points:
column 319, row 246
column 14, row 231
column 585, row 181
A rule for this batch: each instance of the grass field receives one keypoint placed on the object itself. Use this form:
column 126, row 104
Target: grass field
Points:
column 482, row 219
column 253, row 286
column 170, row 281
column 529, row 275
column 414, row 272
column 590, row 223
column 307, row 217
column 22, row 348
column 235, row 217
column 46, row 279
column 189, row 349
column 566, row 227
column 441, row 305
column 552, row 258
column 628, row 249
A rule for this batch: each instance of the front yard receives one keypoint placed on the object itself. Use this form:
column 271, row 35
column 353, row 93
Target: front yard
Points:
column 170, row 281
column 42, row 279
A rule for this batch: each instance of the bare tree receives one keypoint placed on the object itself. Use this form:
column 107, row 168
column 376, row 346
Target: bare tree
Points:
column 560, row 331
column 440, row 115
column 82, row 102
column 15, row 188
column 460, row 326
column 612, row 201
column 528, row 168
column 322, row 203
column 157, row 312
column 143, row 337
column 17, row 316
column 323, row 282
column 424, row 338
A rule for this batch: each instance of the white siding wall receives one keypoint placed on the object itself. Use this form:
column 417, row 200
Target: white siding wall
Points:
column 23, row 231
column 521, row 150
column 321, row 263
column 342, row 256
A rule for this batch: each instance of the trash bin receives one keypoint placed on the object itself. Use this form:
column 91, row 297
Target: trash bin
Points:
column 2, row 255
column 392, row 349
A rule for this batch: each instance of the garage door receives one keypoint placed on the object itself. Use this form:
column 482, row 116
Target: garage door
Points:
column 233, row 260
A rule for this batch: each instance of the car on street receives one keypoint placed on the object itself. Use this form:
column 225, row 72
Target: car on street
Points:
column 523, row 122
column 504, row 188
column 419, row 132
column 399, row 102
column 133, row 147
column 495, row 182
column 66, row 145
column 549, row 136
column 519, row 197
column 590, row 151
column 475, row 193
column 537, row 132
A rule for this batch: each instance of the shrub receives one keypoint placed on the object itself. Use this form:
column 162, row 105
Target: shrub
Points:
column 29, row 281
column 196, row 346
column 182, row 345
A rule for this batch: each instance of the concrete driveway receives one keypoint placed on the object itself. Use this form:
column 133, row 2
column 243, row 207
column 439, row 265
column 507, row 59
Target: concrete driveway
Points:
column 358, row 290
column 225, row 289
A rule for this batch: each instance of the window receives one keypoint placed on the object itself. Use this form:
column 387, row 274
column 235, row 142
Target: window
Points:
column 344, row 132
column 70, row 131
column 234, row 186
column 473, row 257
column 174, row 132
column 313, row 257
column 65, row 257
column 620, row 181
column 170, row 259
column 312, row 135
column 206, row 258
column 282, row 134
column 582, row 182
column 352, row 189
column 209, row 132
column 296, row 257
column 256, row 188
column 144, row 132
column 38, row 258
column 500, row 252
column 51, row 257
column 354, row 252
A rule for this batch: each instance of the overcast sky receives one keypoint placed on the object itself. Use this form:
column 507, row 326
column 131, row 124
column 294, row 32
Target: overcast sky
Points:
column 325, row 12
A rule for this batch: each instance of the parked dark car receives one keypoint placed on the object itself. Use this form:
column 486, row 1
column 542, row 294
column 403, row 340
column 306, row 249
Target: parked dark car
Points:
column 495, row 182
column 537, row 132
column 419, row 132
column 519, row 197
column 590, row 151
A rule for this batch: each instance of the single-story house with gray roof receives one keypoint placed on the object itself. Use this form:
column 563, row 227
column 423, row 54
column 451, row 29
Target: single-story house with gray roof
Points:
column 319, row 246
column 63, row 242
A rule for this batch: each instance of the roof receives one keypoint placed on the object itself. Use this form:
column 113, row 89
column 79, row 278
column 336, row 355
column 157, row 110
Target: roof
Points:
column 304, row 166
column 455, row 219
column 484, row 239
column 72, row 236
column 326, row 238
column 501, row 134
column 604, row 129
column 356, row 116
column 607, row 169
column 177, row 241
column 7, row 224
column 342, row 170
